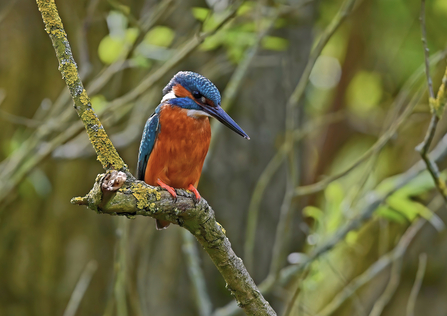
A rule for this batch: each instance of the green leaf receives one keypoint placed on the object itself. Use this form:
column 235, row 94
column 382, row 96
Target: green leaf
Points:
column 131, row 35
column 160, row 36
column 200, row 13
column 351, row 238
column 334, row 195
column 364, row 92
column 391, row 215
column 440, row 6
column 14, row 143
column 313, row 212
column 98, row 102
column 212, row 42
column 141, row 62
column 110, row 49
column 405, row 206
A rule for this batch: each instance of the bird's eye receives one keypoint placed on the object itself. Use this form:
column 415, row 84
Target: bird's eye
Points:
column 196, row 94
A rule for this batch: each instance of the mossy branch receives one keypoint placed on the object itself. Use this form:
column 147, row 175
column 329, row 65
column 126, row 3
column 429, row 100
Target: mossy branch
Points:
column 106, row 152
column 137, row 198
column 119, row 193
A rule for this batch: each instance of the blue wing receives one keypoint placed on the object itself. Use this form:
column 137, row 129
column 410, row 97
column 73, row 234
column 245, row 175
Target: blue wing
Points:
column 151, row 130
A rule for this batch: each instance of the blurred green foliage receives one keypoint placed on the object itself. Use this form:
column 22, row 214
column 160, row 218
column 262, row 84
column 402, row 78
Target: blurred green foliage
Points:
column 46, row 243
column 236, row 38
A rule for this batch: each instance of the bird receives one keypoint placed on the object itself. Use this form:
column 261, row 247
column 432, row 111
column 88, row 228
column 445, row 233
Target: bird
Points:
column 177, row 135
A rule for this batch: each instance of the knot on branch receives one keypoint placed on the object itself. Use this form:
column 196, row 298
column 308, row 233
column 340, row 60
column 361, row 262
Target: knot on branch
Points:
column 113, row 181
column 119, row 193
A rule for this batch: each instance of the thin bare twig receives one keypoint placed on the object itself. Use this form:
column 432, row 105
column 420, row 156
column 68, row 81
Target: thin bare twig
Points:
column 381, row 142
column 417, row 284
column 80, row 288
column 437, row 108
column 268, row 173
column 4, row 13
column 20, row 120
column 426, row 51
column 401, row 99
column 196, row 276
column 120, row 267
column 380, row 265
column 324, row 39
column 392, row 285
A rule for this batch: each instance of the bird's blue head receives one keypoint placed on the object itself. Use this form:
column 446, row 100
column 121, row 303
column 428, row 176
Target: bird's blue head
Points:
column 200, row 96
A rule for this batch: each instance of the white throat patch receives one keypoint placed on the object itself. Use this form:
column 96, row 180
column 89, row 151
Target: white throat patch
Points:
column 191, row 113
column 168, row 96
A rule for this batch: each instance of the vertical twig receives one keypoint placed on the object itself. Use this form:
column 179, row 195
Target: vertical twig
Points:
column 426, row 50
column 195, row 273
column 437, row 105
column 417, row 284
column 390, row 289
column 401, row 100
column 121, row 267
column 80, row 288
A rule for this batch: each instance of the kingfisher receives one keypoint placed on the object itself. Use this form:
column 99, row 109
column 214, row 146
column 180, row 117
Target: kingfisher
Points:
column 177, row 135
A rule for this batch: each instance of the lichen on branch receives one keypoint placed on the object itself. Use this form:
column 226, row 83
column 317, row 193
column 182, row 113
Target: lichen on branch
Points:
column 106, row 152
column 138, row 198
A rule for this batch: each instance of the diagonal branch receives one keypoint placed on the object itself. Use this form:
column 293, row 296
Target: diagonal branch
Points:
column 119, row 193
column 137, row 198
column 107, row 154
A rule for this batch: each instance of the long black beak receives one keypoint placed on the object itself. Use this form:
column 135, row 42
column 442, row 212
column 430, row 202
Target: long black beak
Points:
column 218, row 113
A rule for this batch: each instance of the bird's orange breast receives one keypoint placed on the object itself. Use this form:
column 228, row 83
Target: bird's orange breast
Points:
column 180, row 148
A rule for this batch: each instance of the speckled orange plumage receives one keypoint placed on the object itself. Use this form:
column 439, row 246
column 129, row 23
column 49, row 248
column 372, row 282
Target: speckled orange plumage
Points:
column 180, row 149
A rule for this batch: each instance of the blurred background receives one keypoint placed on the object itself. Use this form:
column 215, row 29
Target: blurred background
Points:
column 331, row 93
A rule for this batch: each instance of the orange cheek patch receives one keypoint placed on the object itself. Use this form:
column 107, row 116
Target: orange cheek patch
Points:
column 181, row 92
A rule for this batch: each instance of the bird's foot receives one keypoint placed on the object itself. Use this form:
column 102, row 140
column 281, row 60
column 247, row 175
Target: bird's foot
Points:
column 168, row 188
column 196, row 193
